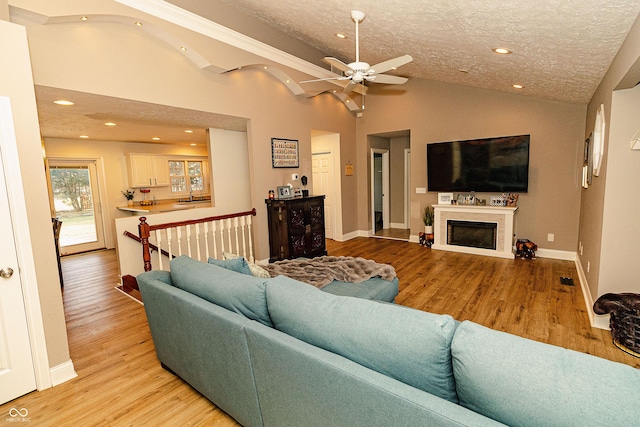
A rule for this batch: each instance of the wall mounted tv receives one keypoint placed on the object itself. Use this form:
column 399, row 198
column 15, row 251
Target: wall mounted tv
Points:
column 491, row 165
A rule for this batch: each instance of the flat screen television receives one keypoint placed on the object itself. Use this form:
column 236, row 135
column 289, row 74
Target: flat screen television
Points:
column 490, row 165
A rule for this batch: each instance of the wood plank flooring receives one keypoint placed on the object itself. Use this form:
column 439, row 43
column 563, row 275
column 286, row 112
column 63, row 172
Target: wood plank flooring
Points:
column 121, row 383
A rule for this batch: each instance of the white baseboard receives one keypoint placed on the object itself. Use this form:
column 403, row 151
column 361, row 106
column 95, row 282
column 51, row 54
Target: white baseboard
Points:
column 62, row 373
column 600, row 321
column 556, row 254
column 398, row 225
column 414, row 238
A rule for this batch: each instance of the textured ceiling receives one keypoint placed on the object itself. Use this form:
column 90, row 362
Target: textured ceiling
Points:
column 561, row 48
column 561, row 51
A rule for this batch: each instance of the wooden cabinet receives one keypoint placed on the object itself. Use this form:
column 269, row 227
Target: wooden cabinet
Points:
column 146, row 170
column 296, row 227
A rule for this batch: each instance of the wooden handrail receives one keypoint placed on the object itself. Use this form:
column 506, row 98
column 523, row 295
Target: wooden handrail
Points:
column 144, row 231
column 151, row 245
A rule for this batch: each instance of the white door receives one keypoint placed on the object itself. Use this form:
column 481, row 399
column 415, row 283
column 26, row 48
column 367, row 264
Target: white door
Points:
column 322, row 170
column 17, row 376
column 76, row 200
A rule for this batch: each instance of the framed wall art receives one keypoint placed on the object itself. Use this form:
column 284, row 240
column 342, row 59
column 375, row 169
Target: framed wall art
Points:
column 284, row 153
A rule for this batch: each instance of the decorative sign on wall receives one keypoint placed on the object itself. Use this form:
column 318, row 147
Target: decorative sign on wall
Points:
column 348, row 169
column 284, row 153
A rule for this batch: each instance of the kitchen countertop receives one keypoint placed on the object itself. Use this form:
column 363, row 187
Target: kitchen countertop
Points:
column 165, row 207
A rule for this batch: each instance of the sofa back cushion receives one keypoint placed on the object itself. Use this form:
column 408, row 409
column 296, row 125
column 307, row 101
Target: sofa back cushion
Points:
column 241, row 293
column 409, row 345
column 522, row 382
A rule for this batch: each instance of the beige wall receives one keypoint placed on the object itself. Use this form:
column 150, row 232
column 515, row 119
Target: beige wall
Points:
column 597, row 233
column 16, row 83
column 72, row 56
column 4, row 10
column 435, row 111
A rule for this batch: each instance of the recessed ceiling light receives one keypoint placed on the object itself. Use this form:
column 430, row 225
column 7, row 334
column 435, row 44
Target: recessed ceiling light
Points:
column 193, row 144
column 188, row 131
column 341, row 36
column 84, row 18
column 155, row 138
column 182, row 48
column 62, row 102
column 265, row 67
column 138, row 24
column 109, row 124
column 516, row 86
column 84, row 136
column 502, row 50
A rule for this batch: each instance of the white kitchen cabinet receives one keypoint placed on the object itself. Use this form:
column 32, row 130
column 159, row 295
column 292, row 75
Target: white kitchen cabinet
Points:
column 147, row 170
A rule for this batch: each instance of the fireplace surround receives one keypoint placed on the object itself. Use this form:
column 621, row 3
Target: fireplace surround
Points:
column 485, row 230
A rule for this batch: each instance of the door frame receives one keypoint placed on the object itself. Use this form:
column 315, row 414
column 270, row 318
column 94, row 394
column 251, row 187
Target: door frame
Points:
column 24, row 250
column 100, row 199
column 385, row 189
column 407, row 187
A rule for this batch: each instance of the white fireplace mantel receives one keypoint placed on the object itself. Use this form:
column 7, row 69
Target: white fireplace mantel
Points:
column 503, row 216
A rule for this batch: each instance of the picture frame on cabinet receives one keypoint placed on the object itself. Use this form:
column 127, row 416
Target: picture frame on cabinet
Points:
column 284, row 192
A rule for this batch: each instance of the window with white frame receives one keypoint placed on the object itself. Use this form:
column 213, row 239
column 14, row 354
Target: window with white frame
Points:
column 187, row 176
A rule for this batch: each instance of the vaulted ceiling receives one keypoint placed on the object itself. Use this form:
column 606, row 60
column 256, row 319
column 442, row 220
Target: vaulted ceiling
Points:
column 560, row 50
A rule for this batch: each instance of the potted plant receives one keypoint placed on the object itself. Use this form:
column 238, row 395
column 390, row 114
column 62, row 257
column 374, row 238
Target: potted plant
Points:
column 128, row 194
column 427, row 218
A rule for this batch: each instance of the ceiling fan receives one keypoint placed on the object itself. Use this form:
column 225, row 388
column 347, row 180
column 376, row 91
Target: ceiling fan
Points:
column 360, row 72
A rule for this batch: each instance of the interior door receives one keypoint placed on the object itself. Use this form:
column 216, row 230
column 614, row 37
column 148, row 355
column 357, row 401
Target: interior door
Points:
column 17, row 376
column 322, row 169
column 76, row 200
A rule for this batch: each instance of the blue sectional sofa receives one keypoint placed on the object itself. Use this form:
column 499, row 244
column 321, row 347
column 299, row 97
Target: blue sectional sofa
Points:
column 277, row 352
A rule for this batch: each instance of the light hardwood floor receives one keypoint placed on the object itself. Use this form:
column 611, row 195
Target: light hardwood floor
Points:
column 121, row 383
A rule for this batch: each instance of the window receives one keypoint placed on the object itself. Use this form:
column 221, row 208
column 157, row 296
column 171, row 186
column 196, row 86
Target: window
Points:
column 186, row 176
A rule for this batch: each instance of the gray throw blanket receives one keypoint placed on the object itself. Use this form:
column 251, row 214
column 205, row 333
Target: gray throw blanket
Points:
column 323, row 270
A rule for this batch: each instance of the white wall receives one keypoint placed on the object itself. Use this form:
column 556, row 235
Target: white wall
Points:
column 229, row 155
column 619, row 267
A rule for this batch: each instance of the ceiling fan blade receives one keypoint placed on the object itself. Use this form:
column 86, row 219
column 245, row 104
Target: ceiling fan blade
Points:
column 337, row 64
column 349, row 87
column 387, row 79
column 385, row 66
column 325, row 79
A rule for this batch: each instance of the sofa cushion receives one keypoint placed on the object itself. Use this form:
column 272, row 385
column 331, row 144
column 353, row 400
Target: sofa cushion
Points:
column 409, row 345
column 241, row 293
column 256, row 270
column 522, row 382
column 239, row 265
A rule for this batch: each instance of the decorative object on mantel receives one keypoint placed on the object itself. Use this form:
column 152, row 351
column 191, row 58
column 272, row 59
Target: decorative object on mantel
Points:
column 305, row 191
column 445, row 198
column 284, row 153
column 128, row 194
column 497, row 200
column 466, row 199
column 512, row 199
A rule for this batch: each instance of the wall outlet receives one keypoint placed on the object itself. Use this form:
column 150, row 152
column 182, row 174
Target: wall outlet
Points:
column 550, row 237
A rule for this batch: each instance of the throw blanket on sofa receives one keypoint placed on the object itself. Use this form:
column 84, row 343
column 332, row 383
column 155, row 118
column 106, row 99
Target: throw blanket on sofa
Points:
column 323, row 270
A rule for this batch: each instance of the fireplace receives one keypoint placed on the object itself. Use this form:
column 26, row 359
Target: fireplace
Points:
column 472, row 234
column 479, row 230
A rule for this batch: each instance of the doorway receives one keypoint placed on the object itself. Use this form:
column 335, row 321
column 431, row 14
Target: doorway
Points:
column 325, row 150
column 75, row 200
column 379, row 190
